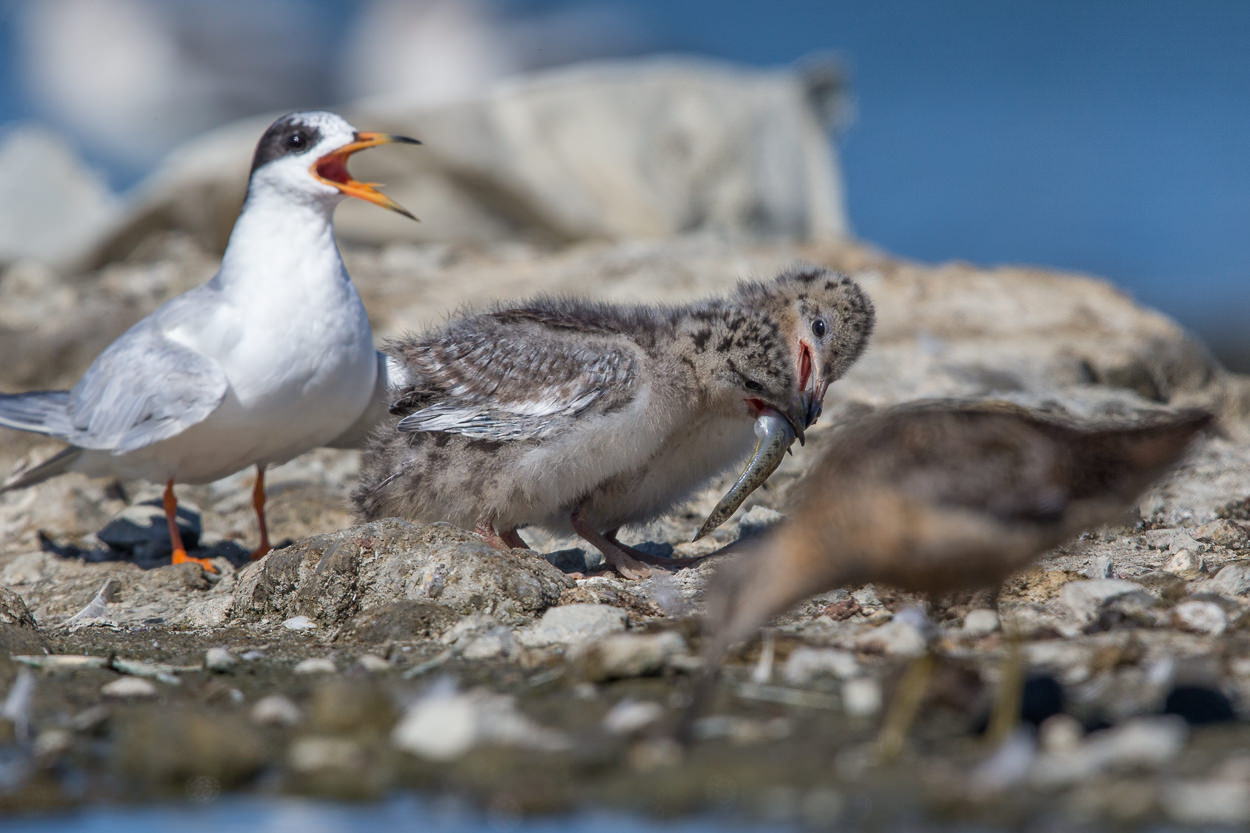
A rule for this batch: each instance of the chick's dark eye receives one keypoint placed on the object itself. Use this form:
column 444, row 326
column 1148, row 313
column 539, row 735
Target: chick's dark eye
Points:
column 752, row 385
column 819, row 328
column 296, row 140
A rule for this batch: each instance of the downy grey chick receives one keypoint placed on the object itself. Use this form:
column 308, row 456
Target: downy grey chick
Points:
column 561, row 411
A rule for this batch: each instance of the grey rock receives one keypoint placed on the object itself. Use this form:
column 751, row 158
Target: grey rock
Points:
column 51, row 203
column 573, row 625
column 334, row 577
column 624, row 655
column 1232, row 580
column 1087, row 599
column 642, row 149
column 19, row 633
column 219, row 660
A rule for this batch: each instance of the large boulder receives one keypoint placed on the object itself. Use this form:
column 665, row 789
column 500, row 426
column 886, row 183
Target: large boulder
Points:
column 644, row 149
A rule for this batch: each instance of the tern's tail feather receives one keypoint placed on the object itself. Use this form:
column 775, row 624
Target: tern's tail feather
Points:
column 39, row 411
column 42, row 412
column 59, row 463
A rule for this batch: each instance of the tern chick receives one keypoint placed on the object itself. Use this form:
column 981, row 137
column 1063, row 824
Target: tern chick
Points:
column 270, row 358
column 560, row 412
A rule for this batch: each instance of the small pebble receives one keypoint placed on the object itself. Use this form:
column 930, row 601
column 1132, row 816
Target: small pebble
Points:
column 1186, row 564
column 896, row 638
column 276, row 710
column 861, row 697
column 806, row 663
column 1060, row 733
column 1198, row 616
column 496, row 642
column 309, row 754
column 1087, row 599
column 373, row 663
column 1206, row 802
column 629, row 717
column 130, row 688
column 299, row 623
column 1100, row 567
column 624, row 655
column 220, row 661
column 52, row 742
column 316, row 665
column 980, row 622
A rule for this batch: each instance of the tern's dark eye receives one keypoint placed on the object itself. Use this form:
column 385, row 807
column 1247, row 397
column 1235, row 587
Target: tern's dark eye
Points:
column 296, row 140
column 819, row 328
column 752, row 385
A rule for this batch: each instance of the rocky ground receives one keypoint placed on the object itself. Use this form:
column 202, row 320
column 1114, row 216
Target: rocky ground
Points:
column 361, row 660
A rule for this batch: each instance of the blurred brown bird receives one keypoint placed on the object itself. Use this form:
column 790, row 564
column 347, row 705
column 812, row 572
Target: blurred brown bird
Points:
column 934, row 498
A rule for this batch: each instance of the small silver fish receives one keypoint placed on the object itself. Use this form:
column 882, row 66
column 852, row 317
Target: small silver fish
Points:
column 774, row 435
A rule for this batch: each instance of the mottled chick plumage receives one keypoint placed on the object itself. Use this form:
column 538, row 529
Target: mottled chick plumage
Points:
column 560, row 410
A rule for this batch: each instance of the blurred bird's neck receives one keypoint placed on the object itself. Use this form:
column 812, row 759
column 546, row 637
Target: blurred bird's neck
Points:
column 277, row 238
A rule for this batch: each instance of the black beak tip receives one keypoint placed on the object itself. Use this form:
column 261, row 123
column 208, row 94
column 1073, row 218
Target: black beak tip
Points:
column 407, row 140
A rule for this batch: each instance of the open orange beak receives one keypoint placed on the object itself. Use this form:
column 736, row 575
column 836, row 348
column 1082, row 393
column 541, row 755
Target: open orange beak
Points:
column 332, row 170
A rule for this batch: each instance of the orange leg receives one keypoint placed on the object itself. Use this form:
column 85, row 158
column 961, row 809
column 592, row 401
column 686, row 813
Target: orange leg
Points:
column 175, row 538
column 258, row 501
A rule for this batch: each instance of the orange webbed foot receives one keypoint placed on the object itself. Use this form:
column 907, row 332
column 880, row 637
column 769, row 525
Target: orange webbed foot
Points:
column 181, row 557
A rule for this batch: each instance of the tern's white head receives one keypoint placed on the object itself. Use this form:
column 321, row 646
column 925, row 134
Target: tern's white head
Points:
column 303, row 158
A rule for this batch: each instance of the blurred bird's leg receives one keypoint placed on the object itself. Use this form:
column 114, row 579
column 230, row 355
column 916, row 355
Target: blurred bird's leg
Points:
column 258, row 503
column 513, row 539
column 507, row 540
column 624, row 563
column 175, row 537
column 905, row 705
column 1009, row 696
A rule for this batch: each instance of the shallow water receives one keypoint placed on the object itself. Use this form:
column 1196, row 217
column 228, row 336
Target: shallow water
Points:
column 292, row 815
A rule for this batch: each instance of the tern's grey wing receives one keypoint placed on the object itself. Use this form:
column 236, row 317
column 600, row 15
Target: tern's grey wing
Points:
column 144, row 388
column 484, row 379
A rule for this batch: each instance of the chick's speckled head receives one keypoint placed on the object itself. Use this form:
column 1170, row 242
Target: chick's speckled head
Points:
column 787, row 339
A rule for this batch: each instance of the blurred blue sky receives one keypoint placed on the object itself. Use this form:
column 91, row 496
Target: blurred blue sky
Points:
column 1096, row 135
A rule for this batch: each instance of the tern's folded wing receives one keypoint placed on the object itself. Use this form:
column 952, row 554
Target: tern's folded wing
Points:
column 144, row 388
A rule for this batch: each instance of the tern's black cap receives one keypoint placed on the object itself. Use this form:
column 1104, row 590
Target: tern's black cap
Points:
column 289, row 134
